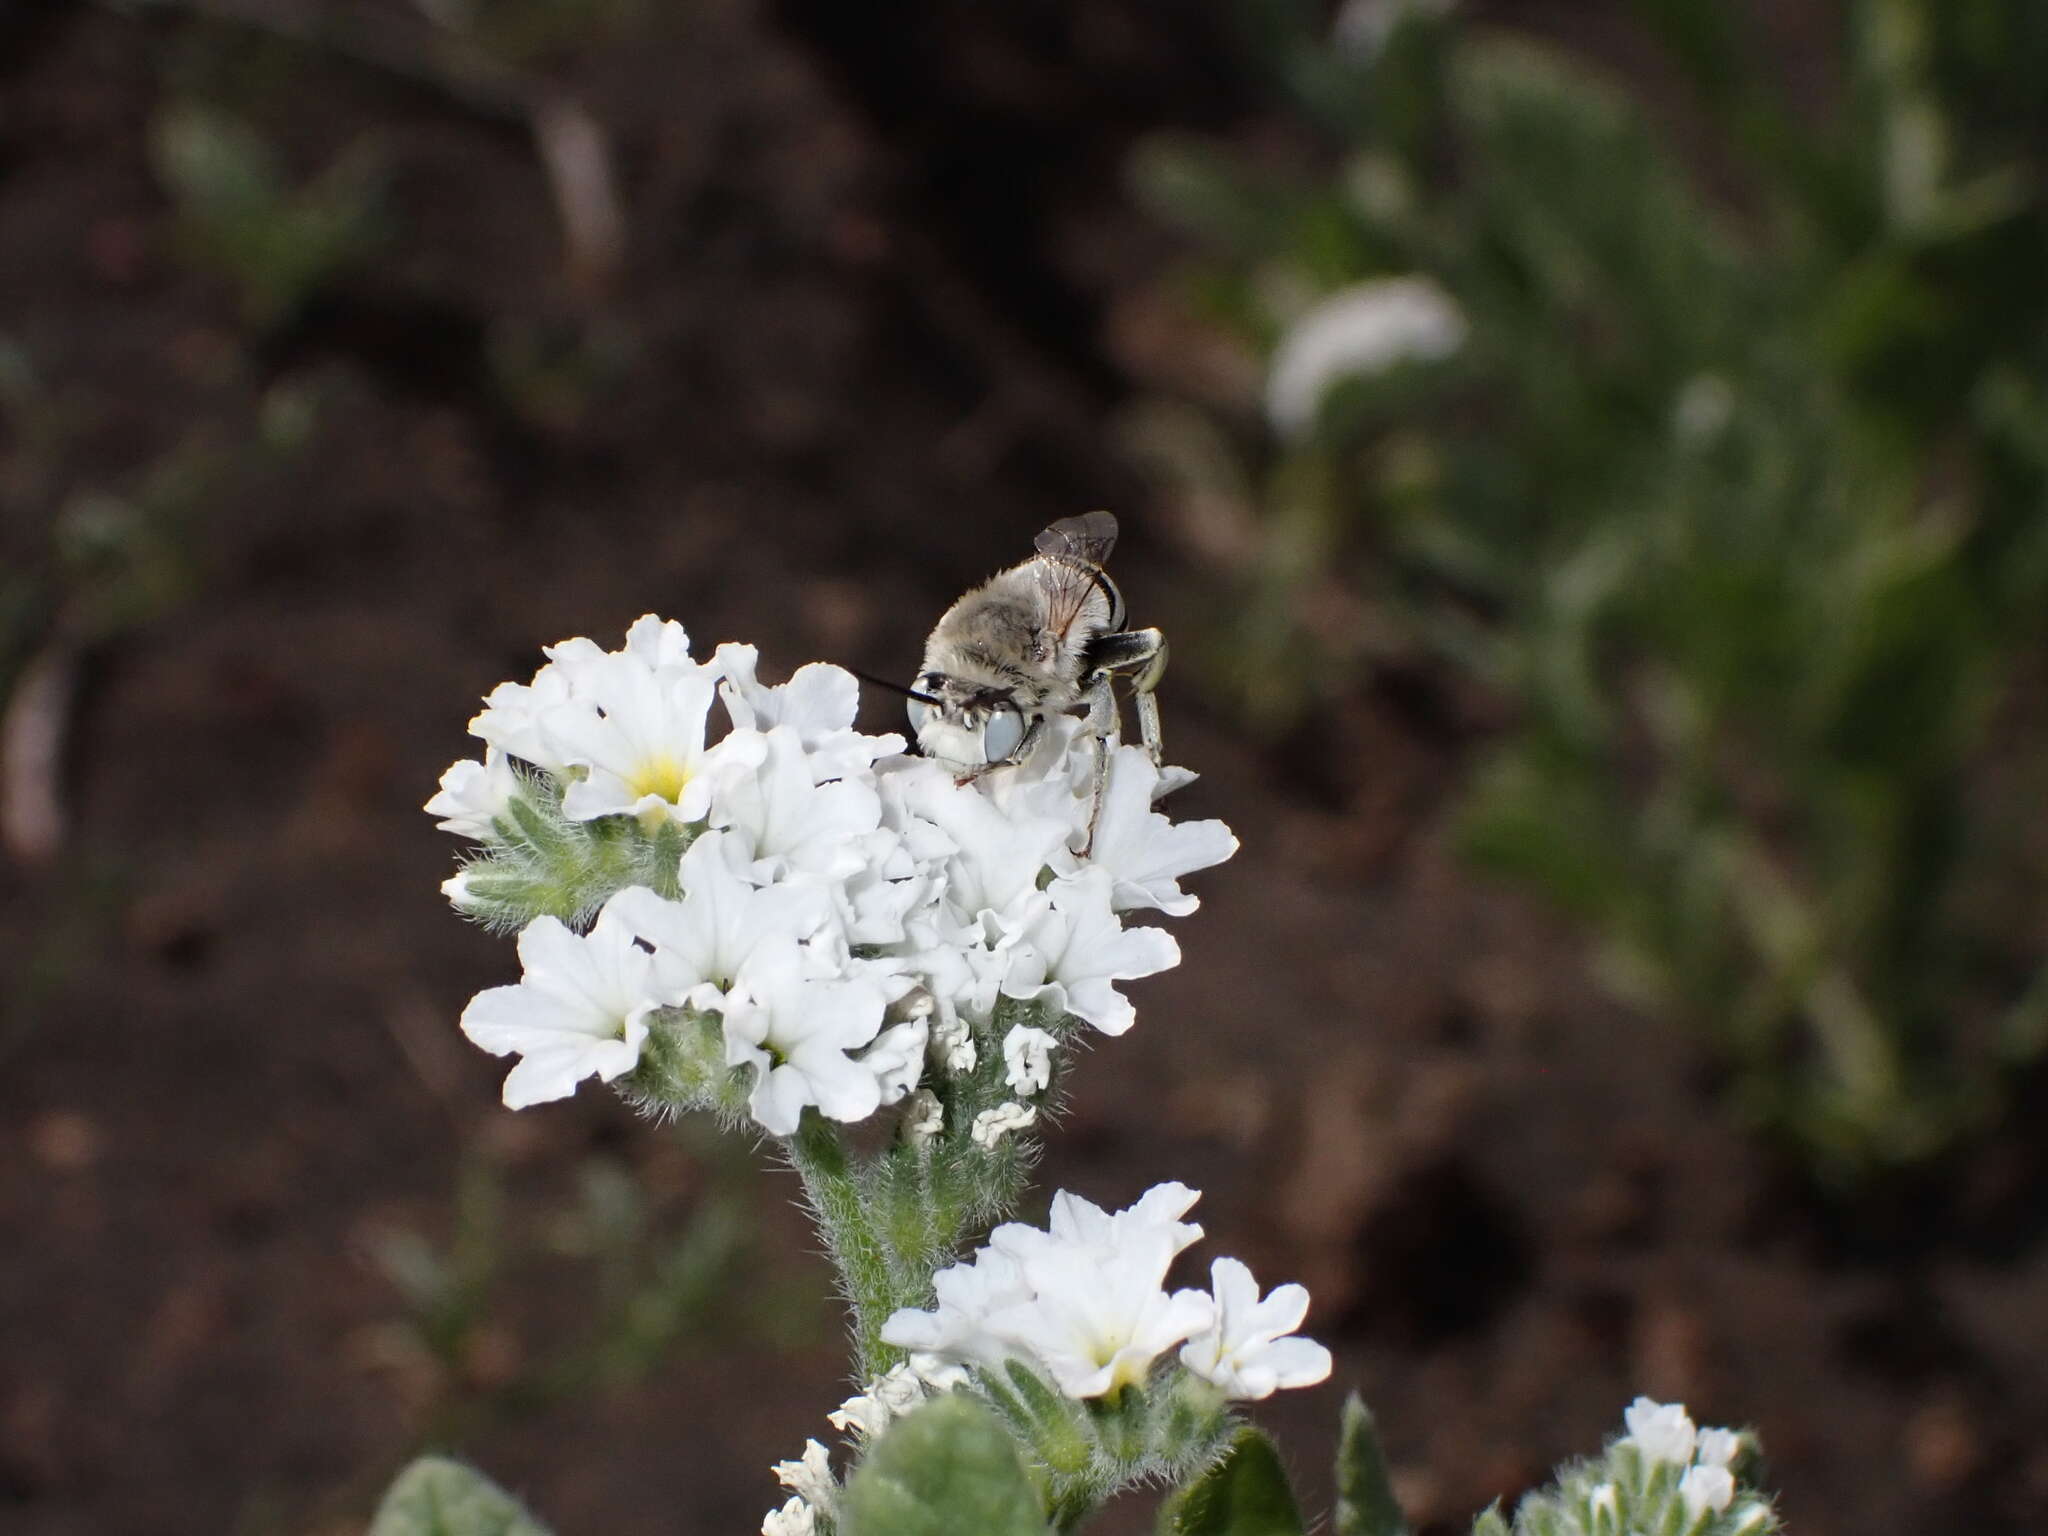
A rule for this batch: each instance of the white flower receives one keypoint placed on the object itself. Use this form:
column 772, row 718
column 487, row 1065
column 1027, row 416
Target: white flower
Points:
column 473, row 795
column 1719, row 1447
column 954, row 1329
column 1252, row 1351
column 511, row 720
column 1366, row 328
column 580, row 1009
column 927, row 1116
column 722, row 917
column 787, row 821
column 1604, row 1505
column 1071, row 948
column 998, row 859
column 797, row 1031
column 1158, row 1212
column 456, row 889
column 810, row 1478
column 637, row 730
column 992, row 1125
column 897, row 1058
column 1082, row 1301
column 1144, row 852
column 1661, row 1431
column 953, row 1044
column 1027, row 1059
column 819, row 703
column 794, row 1519
column 1363, row 27
column 1706, row 1488
column 888, row 1398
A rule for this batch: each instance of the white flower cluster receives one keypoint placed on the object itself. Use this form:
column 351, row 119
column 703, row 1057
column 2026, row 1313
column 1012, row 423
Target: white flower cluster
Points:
column 1664, row 1432
column 1663, row 1476
column 844, row 911
column 1084, row 1303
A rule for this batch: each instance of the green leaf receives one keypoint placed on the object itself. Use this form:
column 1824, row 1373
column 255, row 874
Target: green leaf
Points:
column 438, row 1497
column 949, row 1468
column 1244, row 1494
column 1365, row 1496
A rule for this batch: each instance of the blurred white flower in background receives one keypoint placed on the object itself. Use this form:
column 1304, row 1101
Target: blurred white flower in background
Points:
column 1367, row 328
column 1661, row 1431
column 1362, row 28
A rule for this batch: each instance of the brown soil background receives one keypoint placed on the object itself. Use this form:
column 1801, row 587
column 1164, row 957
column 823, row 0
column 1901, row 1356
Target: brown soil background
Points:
column 875, row 254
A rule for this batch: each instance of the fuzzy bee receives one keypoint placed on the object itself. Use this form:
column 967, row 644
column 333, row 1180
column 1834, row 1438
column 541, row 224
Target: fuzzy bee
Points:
column 1044, row 637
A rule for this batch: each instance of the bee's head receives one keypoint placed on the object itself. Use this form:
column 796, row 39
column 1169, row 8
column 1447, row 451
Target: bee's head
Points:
column 965, row 726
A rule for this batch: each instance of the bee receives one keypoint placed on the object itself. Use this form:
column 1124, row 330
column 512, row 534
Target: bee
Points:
column 1044, row 637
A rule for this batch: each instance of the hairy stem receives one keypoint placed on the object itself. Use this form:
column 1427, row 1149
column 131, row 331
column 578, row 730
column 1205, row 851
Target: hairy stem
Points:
column 853, row 1237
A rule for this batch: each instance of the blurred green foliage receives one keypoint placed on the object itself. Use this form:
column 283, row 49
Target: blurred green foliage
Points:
column 652, row 1284
column 1736, row 488
column 241, row 216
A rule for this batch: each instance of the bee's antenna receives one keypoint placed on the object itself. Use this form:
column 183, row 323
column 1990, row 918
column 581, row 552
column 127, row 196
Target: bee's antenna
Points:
column 883, row 682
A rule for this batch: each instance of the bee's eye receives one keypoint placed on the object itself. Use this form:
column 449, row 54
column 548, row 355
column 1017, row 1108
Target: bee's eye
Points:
column 919, row 713
column 1002, row 736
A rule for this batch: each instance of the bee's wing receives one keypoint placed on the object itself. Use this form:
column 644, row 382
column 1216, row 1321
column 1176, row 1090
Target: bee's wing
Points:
column 1089, row 537
column 1072, row 553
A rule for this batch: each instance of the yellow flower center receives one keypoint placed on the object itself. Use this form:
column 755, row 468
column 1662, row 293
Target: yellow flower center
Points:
column 664, row 776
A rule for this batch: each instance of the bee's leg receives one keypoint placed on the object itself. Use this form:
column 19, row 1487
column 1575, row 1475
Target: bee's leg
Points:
column 1033, row 734
column 1107, row 730
column 1142, row 654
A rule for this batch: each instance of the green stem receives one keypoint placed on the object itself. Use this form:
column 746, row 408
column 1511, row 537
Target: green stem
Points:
column 852, row 1236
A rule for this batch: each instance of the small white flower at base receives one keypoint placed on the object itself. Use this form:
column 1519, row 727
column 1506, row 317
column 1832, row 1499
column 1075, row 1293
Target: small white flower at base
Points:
column 953, row 1044
column 1252, row 1350
column 1750, row 1518
column 927, row 1116
column 794, row 1519
column 580, row 1010
column 810, row 1478
column 456, row 889
column 1367, row 328
column 1604, row 1504
column 1706, row 1489
column 1027, row 1059
column 992, row 1125
column 888, row 1398
column 1082, row 1301
column 1719, row 1447
column 1661, row 1431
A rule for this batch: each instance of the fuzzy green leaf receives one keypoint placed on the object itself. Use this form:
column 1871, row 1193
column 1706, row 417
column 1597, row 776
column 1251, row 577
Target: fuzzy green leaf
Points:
column 948, row 1468
column 1244, row 1494
column 438, row 1497
column 1365, row 1495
